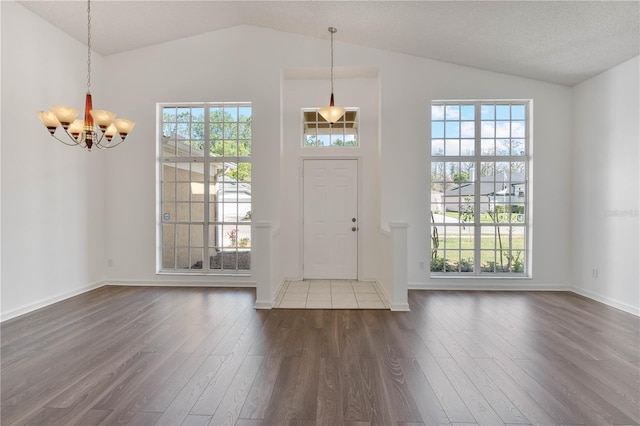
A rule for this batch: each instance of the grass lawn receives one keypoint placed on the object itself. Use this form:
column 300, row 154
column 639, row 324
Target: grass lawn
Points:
column 486, row 217
column 460, row 248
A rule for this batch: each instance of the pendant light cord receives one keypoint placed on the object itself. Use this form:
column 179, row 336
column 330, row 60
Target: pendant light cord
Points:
column 332, row 30
column 88, row 46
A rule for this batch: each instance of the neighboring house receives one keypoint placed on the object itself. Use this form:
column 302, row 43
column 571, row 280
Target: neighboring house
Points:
column 235, row 207
column 495, row 190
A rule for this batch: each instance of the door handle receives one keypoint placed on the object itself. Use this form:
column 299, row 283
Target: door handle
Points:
column 354, row 229
column 353, row 219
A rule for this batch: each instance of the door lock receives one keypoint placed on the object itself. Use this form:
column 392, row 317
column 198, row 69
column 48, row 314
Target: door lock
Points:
column 353, row 219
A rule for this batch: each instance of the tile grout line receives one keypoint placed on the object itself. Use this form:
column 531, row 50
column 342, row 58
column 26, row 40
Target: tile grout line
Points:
column 354, row 291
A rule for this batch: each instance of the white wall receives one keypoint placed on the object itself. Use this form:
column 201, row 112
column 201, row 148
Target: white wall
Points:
column 245, row 64
column 53, row 197
column 606, row 186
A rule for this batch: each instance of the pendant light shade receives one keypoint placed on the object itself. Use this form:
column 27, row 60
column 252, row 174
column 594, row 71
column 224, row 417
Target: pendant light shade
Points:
column 331, row 113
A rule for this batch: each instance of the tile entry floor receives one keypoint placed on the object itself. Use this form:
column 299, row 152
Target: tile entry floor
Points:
column 330, row 294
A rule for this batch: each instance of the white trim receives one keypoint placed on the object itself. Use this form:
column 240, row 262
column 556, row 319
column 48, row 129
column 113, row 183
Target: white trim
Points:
column 633, row 310
column 401, row 307
column 486, row 286
column 516, row 276
column 246, row 273
column 269, row 304
column 49, row 301
column 199, row 157
column 475, row 286
column 477, row 159
column 263, row 304
column 181, row 283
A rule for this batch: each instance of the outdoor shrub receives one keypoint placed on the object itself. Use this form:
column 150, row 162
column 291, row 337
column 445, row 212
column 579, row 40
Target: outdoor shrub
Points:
column 465, row 265
column 437, row 264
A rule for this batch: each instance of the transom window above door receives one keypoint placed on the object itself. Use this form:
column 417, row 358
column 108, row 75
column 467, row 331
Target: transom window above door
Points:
column 318, row 132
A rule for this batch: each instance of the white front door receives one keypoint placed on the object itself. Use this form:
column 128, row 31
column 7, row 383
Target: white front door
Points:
column 330, row 219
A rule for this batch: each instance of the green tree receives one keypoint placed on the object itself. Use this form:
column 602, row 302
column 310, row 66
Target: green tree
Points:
column 229, row 130
column 460, row 177
column 242, row 173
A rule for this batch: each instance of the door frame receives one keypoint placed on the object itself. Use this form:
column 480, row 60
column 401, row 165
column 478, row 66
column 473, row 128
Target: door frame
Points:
column 304, row 158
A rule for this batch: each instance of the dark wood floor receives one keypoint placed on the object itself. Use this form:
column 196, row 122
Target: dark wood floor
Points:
column 140, row 356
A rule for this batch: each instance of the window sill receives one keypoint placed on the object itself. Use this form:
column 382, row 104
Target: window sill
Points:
column 205, row 274
column 480, row 277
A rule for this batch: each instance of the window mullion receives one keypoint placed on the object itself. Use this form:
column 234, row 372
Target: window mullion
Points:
column 477, row 184
column 206, row 264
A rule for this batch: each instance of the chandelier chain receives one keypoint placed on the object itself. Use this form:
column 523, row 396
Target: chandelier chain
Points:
column 88, row 45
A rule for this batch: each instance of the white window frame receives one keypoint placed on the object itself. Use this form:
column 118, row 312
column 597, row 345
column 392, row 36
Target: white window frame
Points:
column 326, row 134
column 475, row 201
column 194, row 157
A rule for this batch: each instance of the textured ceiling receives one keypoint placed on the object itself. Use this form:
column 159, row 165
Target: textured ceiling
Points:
column 561, row 42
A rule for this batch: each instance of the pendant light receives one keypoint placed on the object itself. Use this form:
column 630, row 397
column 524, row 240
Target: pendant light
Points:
column 331, row 113
column 85, row 133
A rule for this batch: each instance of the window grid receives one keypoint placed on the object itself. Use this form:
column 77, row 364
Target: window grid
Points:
column 201, row 194
column 317, row 132
column 479, row 179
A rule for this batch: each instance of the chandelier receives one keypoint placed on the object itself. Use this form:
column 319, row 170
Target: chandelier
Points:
column 99, row 126
column 331, row 113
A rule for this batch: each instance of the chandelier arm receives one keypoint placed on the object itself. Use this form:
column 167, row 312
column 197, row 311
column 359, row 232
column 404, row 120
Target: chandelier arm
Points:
column 110, row 145
column 73, row 143
column 98, row 135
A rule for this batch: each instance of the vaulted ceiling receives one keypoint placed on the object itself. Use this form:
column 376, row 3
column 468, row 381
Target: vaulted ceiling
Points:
column 562, row 42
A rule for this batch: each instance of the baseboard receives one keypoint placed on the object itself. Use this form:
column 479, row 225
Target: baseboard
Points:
column 489, row 286
column 184, row 283
column 400, row 307
column 49, row 301
column 263, row 304
column 486, row 286
column 634, row 310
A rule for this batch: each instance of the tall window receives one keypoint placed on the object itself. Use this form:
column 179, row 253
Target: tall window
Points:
column 479, row 188
column 318, row 132
column 205, row 188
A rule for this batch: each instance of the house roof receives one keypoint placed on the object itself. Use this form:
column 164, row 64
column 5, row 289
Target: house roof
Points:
column 489, row 185
column 559, row 41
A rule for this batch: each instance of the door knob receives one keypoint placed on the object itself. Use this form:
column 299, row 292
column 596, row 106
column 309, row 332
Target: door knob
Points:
column 353, row 219
column 354, row 229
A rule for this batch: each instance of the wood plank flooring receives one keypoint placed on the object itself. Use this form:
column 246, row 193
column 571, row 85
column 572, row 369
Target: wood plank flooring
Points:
column 197, row 356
